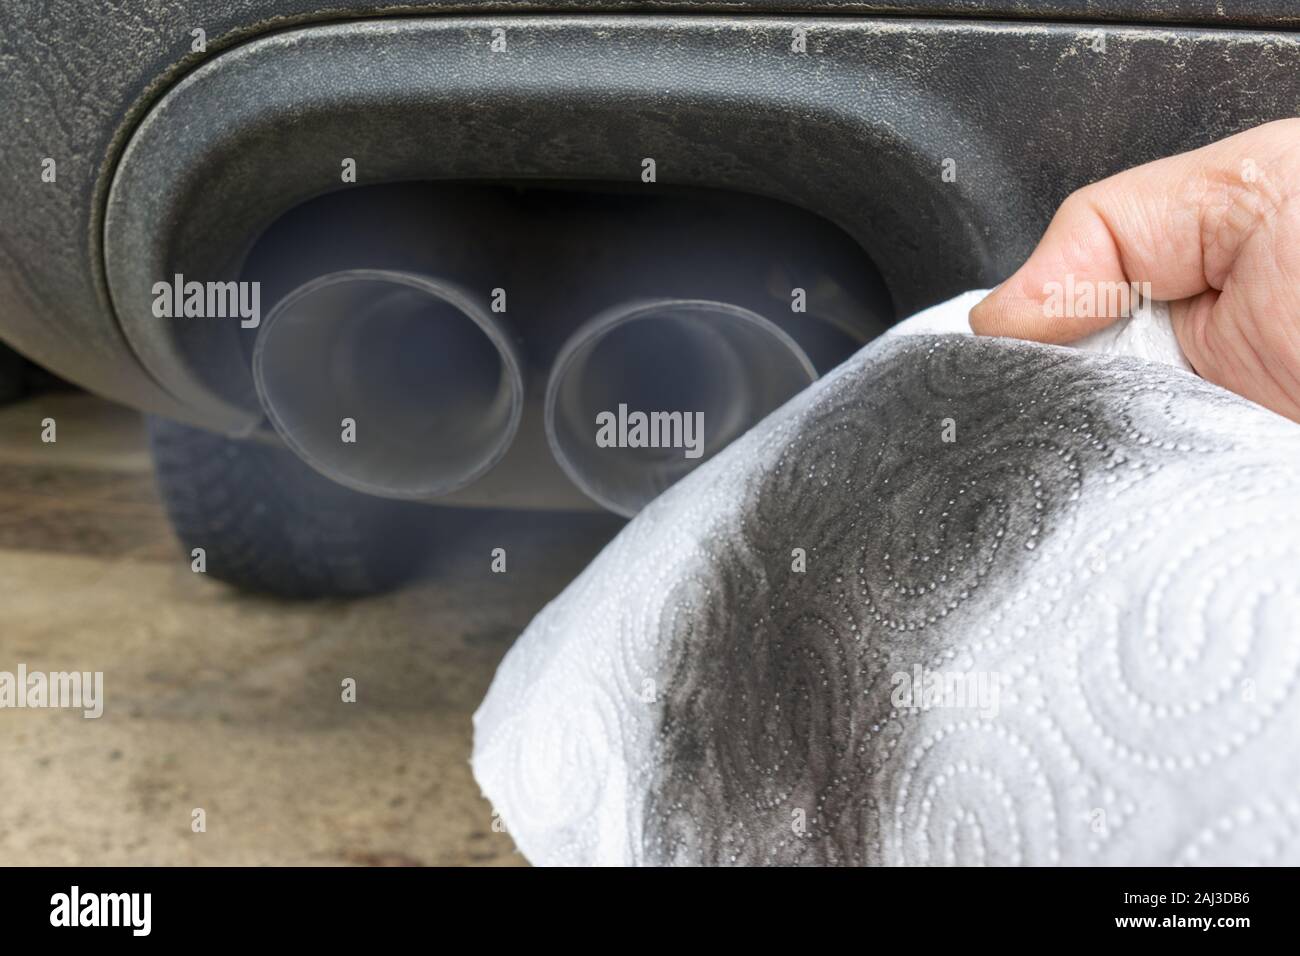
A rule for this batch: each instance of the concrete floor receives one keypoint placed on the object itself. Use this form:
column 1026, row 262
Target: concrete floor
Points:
column 228, row 702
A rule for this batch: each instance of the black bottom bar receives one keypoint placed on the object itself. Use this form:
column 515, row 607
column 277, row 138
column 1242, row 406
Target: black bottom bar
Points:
column 375, row 905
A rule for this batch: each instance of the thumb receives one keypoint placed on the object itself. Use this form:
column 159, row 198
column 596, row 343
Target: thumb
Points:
column 1138, row 229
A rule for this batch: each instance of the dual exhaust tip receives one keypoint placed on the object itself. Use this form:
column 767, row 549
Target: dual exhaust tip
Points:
column 404, row 386
column 390, row 383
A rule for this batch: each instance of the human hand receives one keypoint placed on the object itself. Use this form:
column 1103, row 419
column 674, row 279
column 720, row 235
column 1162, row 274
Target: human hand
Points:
column 1216, row 231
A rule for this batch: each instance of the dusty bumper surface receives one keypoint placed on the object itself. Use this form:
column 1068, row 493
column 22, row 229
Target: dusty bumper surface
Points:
column 53, row 293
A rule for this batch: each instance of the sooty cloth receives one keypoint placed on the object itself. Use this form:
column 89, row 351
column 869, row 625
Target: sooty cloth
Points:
column 961, row 601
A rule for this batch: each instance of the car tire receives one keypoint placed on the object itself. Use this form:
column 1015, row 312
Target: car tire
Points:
column 266, row 522
column 13, row 375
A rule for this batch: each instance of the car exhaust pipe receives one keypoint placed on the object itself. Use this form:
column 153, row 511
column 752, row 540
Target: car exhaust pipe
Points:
column 646, row 391
column 392, row 383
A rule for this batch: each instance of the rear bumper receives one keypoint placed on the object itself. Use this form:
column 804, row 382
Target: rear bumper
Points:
column 157, row 176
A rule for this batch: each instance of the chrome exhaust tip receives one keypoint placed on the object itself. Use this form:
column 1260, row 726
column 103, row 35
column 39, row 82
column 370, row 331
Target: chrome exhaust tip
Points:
column 429, row 379
column 707, row 362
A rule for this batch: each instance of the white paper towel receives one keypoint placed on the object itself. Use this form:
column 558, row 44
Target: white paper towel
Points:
column 1110, row 541
column 1148, row 334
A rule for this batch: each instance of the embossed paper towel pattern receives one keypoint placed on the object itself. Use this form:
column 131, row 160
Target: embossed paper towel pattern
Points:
column 1113, row 541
